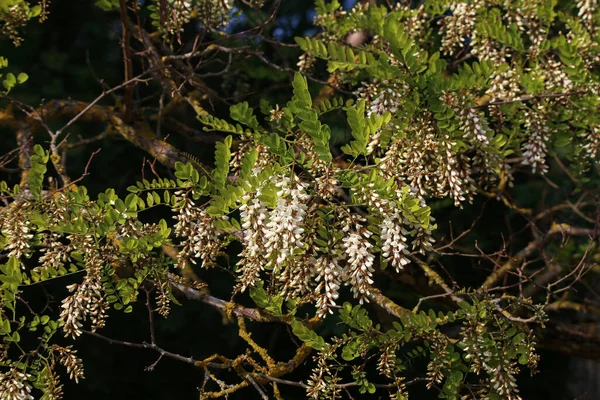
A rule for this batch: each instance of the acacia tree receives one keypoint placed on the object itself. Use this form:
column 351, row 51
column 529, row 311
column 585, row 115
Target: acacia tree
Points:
column 423, row 116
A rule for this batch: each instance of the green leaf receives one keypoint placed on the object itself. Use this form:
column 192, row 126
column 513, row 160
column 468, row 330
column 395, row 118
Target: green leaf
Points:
column 222, row 157
column 22, row 77
column 242, row 113
column 307, row 335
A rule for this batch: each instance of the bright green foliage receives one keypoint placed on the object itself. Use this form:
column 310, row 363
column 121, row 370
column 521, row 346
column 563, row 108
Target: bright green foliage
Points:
column 242, row 113
column 9, row 80
column 301, row 106
column 307, row 335
column 362, row 128
column 38, row 170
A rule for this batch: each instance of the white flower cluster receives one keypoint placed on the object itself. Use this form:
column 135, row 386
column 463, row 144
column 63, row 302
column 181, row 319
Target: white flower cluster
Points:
column 275, row 239
column 359, row 271
column 457, row 27
column 528, row 20
column 201, row 237
column 382, row 96
column 87, row 300
column 253, row 214
column 457, row 171
column 474, row 125
column 327, row 186
column 54, row 254
column 393, row 240
column 306, row 62
column 592, row 146
column 68, row 358
column 487, row 49
column 505, row 86
column 555, row 79
column 284, row 231
column 15, row 226
column 14, row 385
column 535, row 148
column 329, row 278
column 586, row 11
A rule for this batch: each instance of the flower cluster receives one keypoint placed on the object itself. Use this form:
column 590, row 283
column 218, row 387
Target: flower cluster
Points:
column 382, row 96
column 284, row 233
column 323, row 383
column 505, row 86
column 215, row 13
column 14, row 15
column 54, row 254
column 457, row 27
column 586, row 11
column 393, row 240
column 555, row 79
column 253, row 217
column 306, row 63
column 415, row 19
column 359, row 270
column 88, row 299
column 14, row 385
column 474, row 125
column 68, row 358
column 430, row 164
column 592, row 145
column 197, row 228
column 329, row 278
column 53, row 388
column 535, row 148
column 15, row 225
column 487, row 49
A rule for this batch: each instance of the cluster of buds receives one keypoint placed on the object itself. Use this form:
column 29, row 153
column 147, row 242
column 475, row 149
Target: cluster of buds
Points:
column 535, row 148
column 53, row 388
column 457, row 27
column 472, row 123
column 14, row 15
column 592, row 145
column 14, row 385
column 178, row 14
column 201, row 236
column 254, row 216
column 215, row 13
column 415, row 20
column 68, row 358
column 54, row 253
column 555, row 79
column 382, row 96
column 359, row 269
column 386, row 364
column 306, row 63
column 487, row 49
column 329, row 278
column 505, row 86
column 15, row 226
column 586, row 11
column 88, row 299
column 323, row 383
